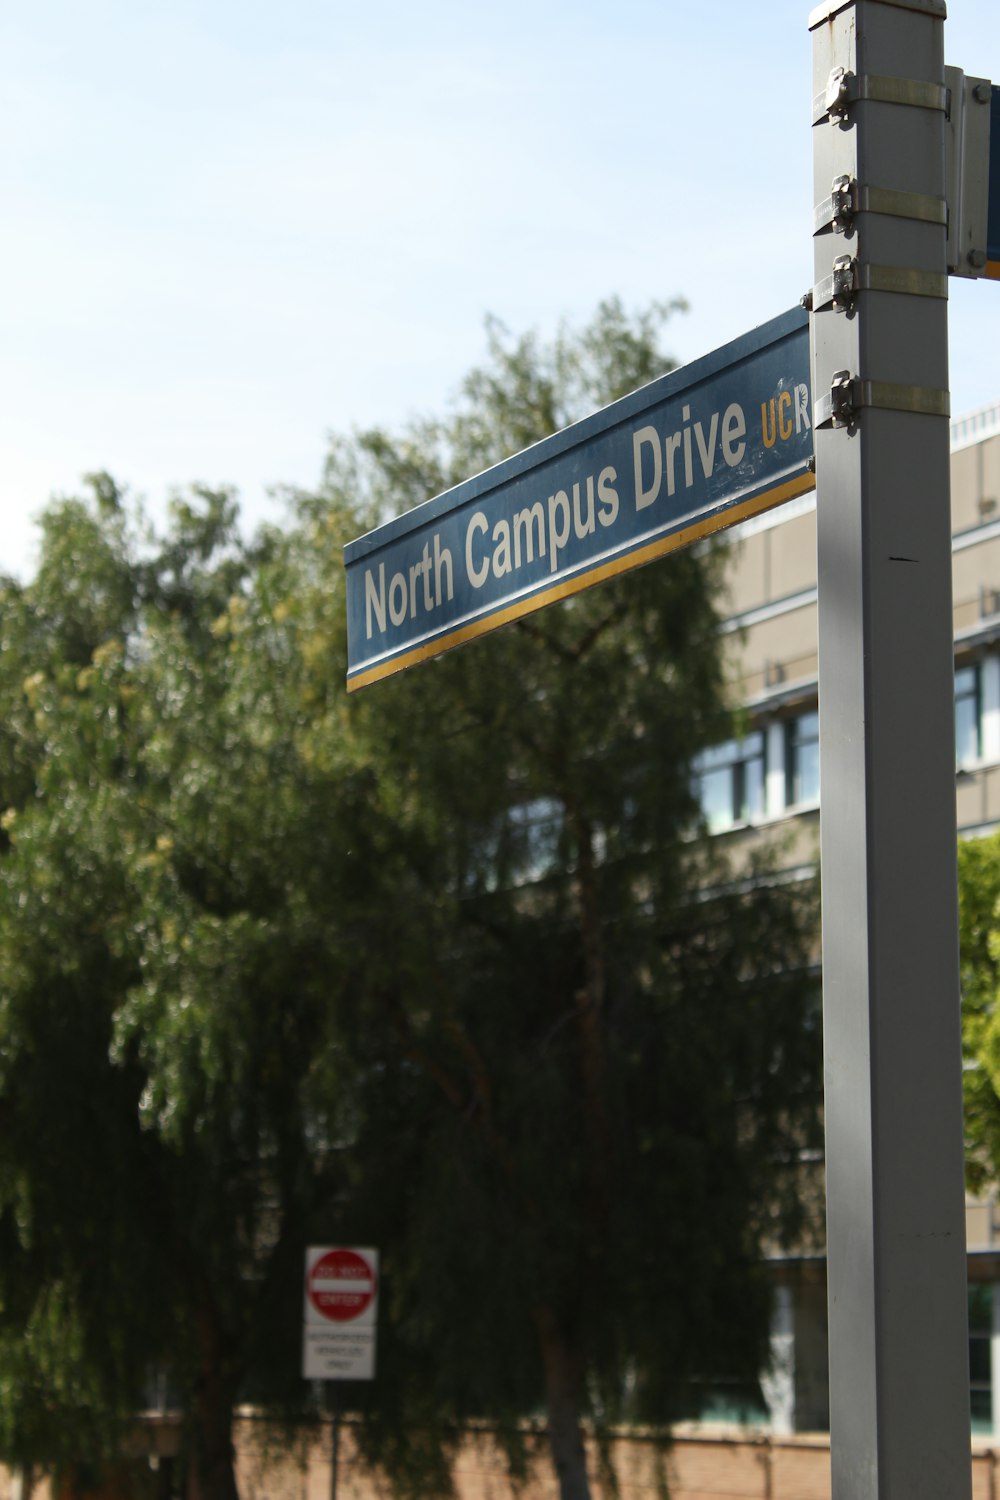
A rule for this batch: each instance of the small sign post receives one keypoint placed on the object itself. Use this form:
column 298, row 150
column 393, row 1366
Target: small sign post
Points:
column 339, row 1325
column 341, row 1304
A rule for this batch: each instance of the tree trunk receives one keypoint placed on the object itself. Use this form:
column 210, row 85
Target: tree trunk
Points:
column 590, row 1018
column 212, row 1473
column 562, row 1400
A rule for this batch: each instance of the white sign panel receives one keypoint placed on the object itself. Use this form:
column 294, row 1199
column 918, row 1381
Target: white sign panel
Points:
column 340, row 1309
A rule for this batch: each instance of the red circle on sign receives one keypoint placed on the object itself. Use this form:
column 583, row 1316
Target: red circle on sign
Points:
column 341, row 1285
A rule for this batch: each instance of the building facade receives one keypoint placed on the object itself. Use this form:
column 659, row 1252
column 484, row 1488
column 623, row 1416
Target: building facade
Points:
column 765, row 783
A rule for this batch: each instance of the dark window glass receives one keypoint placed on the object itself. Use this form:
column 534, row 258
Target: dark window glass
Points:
column 802, row 759
column 981, row 1403
column 981, row 1309
column 980, row 1357
column 729, row 782
column 979, row 1361
column 967, row 743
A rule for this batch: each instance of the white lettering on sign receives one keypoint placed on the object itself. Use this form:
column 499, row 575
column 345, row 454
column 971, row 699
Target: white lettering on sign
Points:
column 671, row 456
column 544, row 528
column 734, row 426
column 538, row 530
column 477, row 575
column 428, row 582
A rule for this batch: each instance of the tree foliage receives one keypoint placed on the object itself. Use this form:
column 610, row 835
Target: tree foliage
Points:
column 611, row 1044
column 171, row 943
column 446, row 968
column 979, row 931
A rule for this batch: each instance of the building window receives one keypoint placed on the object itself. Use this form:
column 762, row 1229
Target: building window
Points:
column 729, row 782
column 802, row 759
column 733, row 1402
column 534, row 831
column 968, row 745
column 980, row 1383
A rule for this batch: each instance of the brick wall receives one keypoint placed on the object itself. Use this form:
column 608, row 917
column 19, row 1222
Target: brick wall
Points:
column 698, row 1465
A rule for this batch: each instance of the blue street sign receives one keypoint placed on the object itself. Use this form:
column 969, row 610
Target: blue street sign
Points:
column 689, row 454
column 993, row 201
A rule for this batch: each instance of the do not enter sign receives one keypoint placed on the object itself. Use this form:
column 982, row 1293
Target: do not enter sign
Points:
column 340, row 1313
column 341, row 1285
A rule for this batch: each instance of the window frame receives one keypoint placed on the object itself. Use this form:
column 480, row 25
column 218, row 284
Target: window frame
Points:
column 747, row 798
column 795, row 743
column 972, row 669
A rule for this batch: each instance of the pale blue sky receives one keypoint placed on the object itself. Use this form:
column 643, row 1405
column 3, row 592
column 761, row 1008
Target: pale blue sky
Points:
column 231, row 228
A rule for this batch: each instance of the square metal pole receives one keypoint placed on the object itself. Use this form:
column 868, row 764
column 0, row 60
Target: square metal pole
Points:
column 899, row 1364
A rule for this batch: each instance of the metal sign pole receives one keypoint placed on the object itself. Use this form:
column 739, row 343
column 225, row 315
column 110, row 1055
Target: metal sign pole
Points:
column 333, row 1406
column 899, row 1371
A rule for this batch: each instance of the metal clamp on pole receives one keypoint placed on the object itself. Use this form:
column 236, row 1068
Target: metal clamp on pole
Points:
column 840, row 289
column 844, row 89
column 849, row 197
column 849, row 395
column 836, row 409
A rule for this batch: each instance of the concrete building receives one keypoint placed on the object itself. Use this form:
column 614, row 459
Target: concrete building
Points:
column 766, row 784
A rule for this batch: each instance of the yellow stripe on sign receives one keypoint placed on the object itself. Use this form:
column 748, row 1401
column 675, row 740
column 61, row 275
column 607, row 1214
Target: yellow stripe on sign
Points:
column 720, row 521
column 993, row 270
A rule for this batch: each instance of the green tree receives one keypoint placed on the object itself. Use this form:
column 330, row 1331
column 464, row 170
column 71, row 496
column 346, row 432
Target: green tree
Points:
column 444, row 968
column 979, row 932
column 600, row 1050
column 172, row 900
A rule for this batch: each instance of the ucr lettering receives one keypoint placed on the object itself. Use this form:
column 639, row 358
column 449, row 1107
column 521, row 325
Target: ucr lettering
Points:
column 784, row 416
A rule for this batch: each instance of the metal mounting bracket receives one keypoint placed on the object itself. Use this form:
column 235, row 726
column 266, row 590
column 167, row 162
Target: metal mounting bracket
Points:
column 849, row 395
column 840, row 289
column 843, row 89
column 849, row 197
